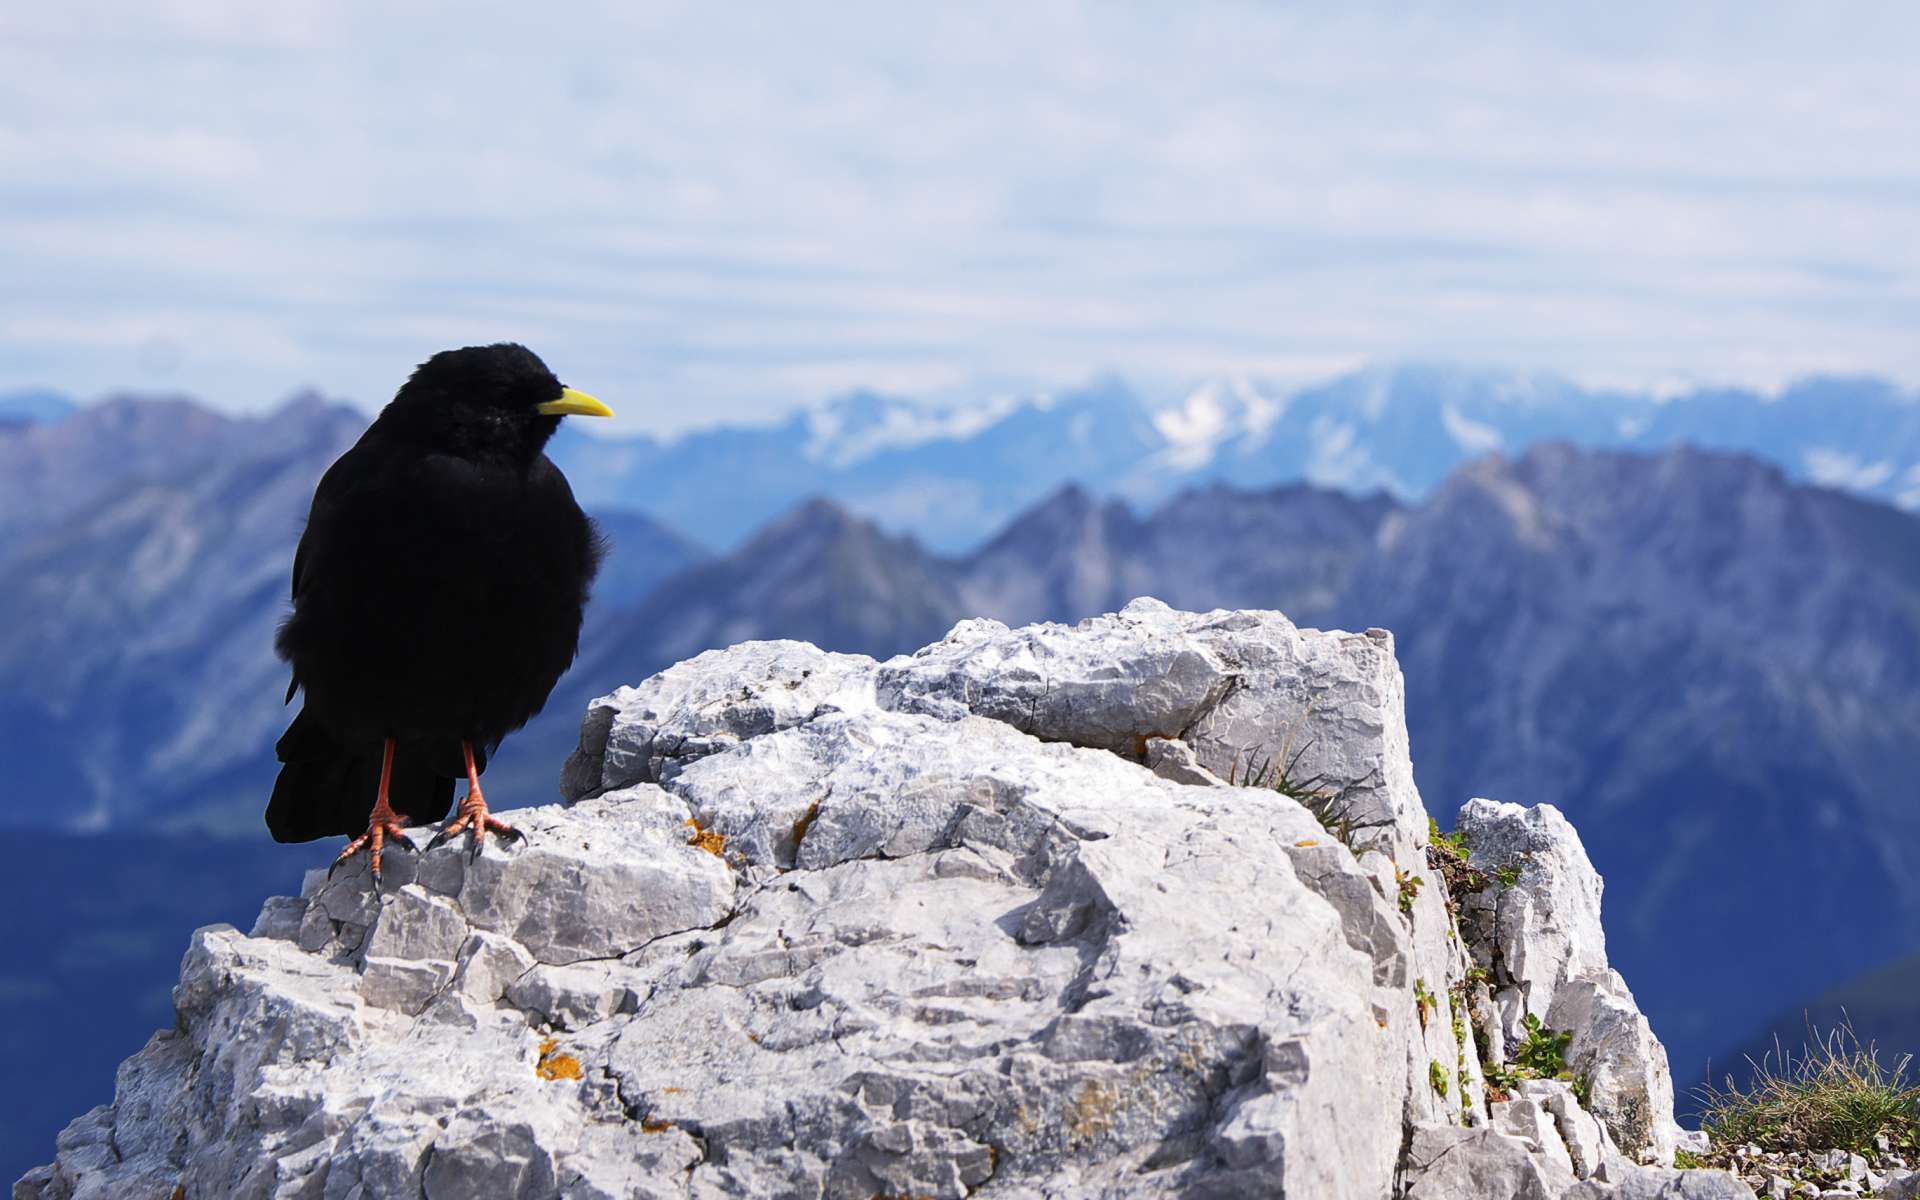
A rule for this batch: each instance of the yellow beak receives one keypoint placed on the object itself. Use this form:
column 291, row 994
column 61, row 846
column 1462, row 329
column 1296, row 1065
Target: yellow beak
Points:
column 573, row 404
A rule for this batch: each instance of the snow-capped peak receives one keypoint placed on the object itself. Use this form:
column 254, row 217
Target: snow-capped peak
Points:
column 1213, row 413
column 850, row 429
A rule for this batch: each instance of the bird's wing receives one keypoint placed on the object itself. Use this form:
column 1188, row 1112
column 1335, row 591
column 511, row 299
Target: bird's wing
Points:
column 348, row 470
column 546, row 485
column 327, row 495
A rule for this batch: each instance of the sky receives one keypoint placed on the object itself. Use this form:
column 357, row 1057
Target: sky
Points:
column 710, row 213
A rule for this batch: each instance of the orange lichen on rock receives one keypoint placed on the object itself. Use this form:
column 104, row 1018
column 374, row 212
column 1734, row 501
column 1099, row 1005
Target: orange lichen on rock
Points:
column 654, row 1125
column 554, row 1065
column 1092, row 1110
column 711, row 840
column 805, row 823
column 1308, row 842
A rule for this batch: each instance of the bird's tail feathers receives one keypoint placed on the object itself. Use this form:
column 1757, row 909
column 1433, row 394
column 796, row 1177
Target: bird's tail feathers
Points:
column 327, row 788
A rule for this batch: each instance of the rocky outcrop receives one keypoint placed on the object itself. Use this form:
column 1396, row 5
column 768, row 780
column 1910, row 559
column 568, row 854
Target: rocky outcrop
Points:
column 1537, row 936
column 990, row 919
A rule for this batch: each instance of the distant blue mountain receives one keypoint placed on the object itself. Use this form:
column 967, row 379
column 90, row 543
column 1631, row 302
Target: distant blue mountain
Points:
column 948, row 476
column 951, row 476
column 33, row 406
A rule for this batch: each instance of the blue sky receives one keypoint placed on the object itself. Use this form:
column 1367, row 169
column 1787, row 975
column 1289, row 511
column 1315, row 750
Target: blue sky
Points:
column 706, row 212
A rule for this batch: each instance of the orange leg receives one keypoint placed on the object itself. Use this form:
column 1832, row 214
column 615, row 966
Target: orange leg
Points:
column 382, row 823
column 472, row 814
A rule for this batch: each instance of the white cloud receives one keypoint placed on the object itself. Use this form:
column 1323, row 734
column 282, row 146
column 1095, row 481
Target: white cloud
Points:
column 720, row 213
column 1907, row 491
column 1839, row 469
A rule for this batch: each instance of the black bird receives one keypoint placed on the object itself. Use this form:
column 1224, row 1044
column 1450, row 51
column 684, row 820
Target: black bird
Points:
column 437, row 597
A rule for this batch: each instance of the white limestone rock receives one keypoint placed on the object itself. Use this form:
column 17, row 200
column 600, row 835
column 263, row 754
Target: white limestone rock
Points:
column 607, row 876
column 1630, row 1085
column 1901, row 1185
column 985, row 920
column 1545, row 929
column 1445, row 1163
column 1541, row 941
column 1241, row 687
column 646, row 734
column 1661, row 1183
column 488, row 965
column 1588, row 1143
column 1530, row 1120
column 1171, row 758
column 566, row 997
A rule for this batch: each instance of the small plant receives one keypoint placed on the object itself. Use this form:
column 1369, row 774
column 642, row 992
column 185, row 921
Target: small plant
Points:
column 1508, row 875
column 1437, row 1076
column 1455, row 843
column 1456, row 1006
column 1542, row 1054
column 1836, row 1093
column 1687, row 1160
column 1409, row 889
column 1447, row 856
column 1423, row 1000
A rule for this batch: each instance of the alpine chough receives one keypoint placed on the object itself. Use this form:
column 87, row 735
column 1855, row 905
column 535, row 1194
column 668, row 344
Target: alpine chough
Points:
column 437, row 597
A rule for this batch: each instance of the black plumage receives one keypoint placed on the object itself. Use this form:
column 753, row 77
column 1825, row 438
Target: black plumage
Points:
column 437, row 597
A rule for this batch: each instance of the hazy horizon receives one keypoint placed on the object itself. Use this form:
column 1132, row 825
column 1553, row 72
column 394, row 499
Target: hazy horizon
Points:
column 1158, row 394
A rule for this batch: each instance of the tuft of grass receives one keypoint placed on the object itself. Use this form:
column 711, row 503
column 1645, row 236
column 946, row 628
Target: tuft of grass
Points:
column 1834, row 1094
column 1330, row 802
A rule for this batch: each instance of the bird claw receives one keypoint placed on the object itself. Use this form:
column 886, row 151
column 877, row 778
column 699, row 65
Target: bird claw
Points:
column 476, row 822
column 383, row 829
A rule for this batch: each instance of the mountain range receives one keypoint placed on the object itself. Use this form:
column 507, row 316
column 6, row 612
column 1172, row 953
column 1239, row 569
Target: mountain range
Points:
column 1712, row 666
column 952, row 476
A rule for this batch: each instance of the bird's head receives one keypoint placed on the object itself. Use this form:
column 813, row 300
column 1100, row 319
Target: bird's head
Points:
column 487, row 399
